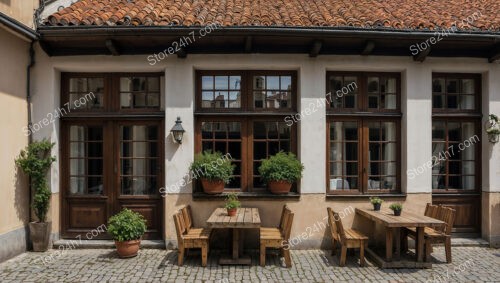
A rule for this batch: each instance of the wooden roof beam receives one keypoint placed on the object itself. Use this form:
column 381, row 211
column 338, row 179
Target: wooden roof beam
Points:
column 111, row 46
column 369, row 46
column 316, row 48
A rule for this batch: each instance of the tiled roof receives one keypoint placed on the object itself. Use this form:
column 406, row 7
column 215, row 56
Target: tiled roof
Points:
column 483, row 15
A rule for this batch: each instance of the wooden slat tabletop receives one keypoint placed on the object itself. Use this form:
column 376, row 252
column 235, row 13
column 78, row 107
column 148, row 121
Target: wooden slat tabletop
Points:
column 407, row 219
column 246, row 217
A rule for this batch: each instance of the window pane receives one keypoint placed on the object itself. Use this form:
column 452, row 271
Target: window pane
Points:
column 235, row 82
column 438, row 131
column 286, row 83
column 373, row 85
column 207, row 82
column 78, row 85
column 153, row 84
column 221, row 82
column 438, row 85
column 273, row 82
column 259, row 82
column 468, row 86
column 452, row 86
column 467, row 102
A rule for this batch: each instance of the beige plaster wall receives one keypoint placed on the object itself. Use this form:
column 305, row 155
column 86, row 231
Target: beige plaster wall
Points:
column 21, row 10
column 309, row 230
column 13, row 186
column 491, row 218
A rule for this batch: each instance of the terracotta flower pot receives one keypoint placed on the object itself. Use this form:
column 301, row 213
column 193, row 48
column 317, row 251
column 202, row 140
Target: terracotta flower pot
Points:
column 128, row 249
column 397, row 212
column 232, row 211
column 40, row 235
column 279, row 187
column 212, row 187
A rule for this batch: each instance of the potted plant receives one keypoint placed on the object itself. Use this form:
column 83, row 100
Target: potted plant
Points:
column 35, row 160
column 493, row 128
column 377, row 203
column 232, row 204
column 127, row 228
column 397, row 208
column 280, row 171
column 213, row 169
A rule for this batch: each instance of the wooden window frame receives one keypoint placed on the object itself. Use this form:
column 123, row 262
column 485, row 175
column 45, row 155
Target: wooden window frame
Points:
column 363, row 115
column 477, row 92
column 246, row 115
column 111, row 95
column 363, row 93
column 246, row 90
column 462, row 115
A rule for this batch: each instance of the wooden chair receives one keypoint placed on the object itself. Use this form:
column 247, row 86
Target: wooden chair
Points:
column 348, row 238
column 277, row 238
column 191, row 238
column 281, row 225
column 438, row 235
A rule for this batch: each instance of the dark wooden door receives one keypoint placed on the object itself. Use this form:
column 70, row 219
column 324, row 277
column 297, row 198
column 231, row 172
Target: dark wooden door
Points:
column 107, row 166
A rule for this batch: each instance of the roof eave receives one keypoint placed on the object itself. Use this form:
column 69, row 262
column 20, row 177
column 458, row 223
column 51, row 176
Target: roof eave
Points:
column 18, row 28
column 71, row 31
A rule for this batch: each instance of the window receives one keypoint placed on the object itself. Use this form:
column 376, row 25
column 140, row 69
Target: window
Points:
column 242, row 113
column 363, row 133
column 120, row 92
column 456, row 129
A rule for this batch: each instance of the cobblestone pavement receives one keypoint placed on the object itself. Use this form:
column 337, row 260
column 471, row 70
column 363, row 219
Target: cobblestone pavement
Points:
column 470, row 264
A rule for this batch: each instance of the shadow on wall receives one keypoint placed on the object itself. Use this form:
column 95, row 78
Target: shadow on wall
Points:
column 21, row 195
column 6, row 2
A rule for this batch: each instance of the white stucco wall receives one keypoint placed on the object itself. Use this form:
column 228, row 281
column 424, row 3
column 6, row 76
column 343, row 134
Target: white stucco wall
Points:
column 179, row 101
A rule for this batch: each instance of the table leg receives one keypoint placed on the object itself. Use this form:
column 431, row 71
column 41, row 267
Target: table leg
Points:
column 420, row 244
column 236, row 243
column 237, row 250
column 388, row 244
column 397, row 237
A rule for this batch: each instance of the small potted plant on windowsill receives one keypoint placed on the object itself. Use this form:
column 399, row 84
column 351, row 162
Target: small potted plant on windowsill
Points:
column 214, row 170
column 377, row 203
column 232, row 204
column 281, row 171
column 35, row 161
column 127, row 228
column 397, row 208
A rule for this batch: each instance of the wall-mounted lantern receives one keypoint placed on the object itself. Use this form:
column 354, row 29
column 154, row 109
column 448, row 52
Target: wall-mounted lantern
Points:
column 178, row 131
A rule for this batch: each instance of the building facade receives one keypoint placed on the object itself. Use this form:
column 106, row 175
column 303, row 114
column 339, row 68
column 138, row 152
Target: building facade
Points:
column 366, row 115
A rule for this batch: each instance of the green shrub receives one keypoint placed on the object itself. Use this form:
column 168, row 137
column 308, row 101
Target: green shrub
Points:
column 126, row 226
column 375, row 200
column 281, row 167
column 396, row 206
column 212, row 166
column 232, row 201
column 35, row 160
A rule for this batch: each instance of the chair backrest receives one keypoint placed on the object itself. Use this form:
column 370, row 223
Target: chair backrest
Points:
column 287, row 229
column 336, row 227
column 431, row 210
column 188, row 217
column 448, row 216
column 282, row 218
column 179, row 226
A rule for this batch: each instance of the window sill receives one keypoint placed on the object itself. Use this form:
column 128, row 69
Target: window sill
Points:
column 200, row 196
column 361, row 196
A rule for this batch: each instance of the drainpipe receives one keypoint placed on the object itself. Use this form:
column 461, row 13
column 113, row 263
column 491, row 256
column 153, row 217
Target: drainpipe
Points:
column 28, row 102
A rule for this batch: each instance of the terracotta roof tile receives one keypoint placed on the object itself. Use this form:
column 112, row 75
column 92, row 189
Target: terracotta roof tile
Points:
column 402, row 14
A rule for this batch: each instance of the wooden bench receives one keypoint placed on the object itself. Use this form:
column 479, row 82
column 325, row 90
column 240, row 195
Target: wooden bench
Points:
column 271, row 237
column 438, row 235
column 189, row 237
column 348, row 238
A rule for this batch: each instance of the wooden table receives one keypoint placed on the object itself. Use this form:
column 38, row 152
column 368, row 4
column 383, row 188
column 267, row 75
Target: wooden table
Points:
column 245, row 218
column 393, row 224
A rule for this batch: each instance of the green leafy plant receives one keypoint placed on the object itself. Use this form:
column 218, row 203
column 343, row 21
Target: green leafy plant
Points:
column 212, row 166
column 126, row 226
column 232, row 201
column 396, row 206
column 493, row 131
column 281, row 167
column 35, row 161
column 376, row 200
